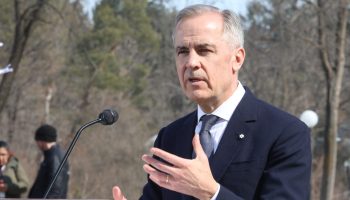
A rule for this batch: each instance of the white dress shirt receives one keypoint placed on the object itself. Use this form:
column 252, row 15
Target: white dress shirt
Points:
column 224, row 112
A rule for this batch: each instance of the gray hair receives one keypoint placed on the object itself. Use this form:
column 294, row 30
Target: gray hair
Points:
column 233, row 31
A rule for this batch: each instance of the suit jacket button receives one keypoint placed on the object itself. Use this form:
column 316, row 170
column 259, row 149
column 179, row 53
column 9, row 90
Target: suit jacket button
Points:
column 241, row 136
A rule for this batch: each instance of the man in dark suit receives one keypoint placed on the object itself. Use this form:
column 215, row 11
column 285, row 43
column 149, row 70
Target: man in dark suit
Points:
column 256, row 152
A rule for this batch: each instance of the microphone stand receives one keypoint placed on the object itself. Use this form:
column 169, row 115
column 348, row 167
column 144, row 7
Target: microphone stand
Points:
column 69, row 150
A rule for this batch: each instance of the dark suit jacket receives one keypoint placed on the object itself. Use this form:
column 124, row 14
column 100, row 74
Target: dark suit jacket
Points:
column 272, row 160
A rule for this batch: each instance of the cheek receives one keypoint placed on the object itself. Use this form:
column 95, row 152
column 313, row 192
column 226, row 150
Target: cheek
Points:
column 222, row 77
column 180, row 73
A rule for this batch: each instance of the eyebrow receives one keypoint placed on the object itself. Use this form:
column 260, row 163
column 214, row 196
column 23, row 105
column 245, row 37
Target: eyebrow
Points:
column 204, row 45
column 181, row 48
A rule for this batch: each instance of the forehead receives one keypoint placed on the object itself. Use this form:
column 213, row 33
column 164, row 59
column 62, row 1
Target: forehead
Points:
column 3, row 151
column 199, row 29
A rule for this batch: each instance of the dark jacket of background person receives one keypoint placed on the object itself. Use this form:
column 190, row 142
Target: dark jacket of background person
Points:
column 15, row 178
column 48, row 168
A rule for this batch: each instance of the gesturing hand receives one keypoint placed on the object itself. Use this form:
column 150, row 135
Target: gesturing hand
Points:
column 117, row 194
column 188, row 176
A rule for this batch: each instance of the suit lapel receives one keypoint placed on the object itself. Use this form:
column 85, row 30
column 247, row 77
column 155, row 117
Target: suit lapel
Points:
column 183, row 142
column 235, row 136
column 185, row 135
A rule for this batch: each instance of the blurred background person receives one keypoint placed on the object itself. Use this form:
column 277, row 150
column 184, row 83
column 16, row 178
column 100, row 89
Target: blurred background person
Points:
column 13, row 178
column 46, row 137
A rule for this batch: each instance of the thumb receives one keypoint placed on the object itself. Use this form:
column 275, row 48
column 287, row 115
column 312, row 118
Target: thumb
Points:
column 117, row 193
column 197, row 147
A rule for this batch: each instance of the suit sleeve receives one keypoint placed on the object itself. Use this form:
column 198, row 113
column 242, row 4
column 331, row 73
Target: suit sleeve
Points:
column 151, row 190
column 288, row 169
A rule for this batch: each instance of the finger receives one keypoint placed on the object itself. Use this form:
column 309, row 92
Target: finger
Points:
column 154, row 173
column 149, row 169
column 159, row 165
column 197, row 147
column 168, row 157
column 153, row 161
column 161, row 182
column 156, row 176
column 117, row 193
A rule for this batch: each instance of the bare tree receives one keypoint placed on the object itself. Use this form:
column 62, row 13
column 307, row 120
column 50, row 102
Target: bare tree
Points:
column 333, row 68
column 24, row 27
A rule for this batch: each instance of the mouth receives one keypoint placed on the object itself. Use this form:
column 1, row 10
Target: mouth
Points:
column 195, row 79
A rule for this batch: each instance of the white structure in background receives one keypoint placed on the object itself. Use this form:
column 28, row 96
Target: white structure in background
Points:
column 149, row 143
column 6, row 69
column 347, row 170
column 309, row 117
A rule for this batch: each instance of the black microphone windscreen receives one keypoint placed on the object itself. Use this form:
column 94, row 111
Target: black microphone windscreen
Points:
column 108, row 117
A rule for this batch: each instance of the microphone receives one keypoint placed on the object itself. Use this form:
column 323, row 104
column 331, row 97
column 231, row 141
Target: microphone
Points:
column 107, row 117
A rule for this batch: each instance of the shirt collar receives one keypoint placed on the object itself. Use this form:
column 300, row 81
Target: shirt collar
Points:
column 226, row 109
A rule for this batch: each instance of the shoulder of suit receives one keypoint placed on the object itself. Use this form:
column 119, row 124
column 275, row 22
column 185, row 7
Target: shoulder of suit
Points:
column 269, row 111
column 187, row 119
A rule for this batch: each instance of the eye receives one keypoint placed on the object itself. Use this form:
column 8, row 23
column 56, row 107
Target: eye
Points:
column 182, row 51
column 204, row 51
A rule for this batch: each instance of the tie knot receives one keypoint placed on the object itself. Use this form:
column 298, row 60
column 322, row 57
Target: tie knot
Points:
column 208, row 121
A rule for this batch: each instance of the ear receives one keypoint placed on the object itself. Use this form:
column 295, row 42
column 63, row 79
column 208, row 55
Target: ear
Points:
column 238, row 59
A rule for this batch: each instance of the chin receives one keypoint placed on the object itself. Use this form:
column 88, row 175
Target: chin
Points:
column 197, row 96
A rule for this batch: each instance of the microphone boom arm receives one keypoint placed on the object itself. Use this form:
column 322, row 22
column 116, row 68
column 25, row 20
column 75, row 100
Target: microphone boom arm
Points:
column 69, row 150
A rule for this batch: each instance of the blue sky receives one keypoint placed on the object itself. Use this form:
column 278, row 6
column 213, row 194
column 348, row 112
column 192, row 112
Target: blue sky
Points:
column 239, row 6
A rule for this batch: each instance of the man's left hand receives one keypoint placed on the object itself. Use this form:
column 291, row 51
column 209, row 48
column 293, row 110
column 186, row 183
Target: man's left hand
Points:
column 187, row 176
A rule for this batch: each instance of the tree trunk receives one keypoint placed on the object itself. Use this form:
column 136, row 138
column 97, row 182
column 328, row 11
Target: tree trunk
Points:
column 24, row 27
column 334, row 77
column 48, row 98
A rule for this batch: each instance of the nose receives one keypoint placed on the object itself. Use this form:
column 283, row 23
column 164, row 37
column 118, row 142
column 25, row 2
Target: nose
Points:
column 193, row 60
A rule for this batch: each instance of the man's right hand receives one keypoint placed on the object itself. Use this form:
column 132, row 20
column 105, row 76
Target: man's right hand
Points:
column 117, row 194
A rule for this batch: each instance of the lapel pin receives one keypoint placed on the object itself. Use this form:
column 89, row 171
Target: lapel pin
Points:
column 241, row 136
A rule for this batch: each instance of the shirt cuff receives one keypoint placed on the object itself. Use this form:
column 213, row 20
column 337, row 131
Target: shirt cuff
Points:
column 216, row 193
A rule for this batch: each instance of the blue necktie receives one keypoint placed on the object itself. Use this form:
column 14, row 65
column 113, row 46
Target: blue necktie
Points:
column 205, row 138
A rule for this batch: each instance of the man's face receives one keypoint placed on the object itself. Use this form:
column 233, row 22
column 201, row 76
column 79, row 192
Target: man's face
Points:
column 41, row 145
column 4, row 156
column 207, row 65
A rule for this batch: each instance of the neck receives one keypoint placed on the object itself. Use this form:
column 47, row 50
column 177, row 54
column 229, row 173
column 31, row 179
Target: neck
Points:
column 210, row 106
